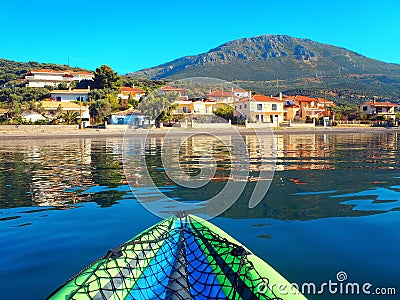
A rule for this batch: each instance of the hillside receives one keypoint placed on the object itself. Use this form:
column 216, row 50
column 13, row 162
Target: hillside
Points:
column 274, row 63
column 12, row 72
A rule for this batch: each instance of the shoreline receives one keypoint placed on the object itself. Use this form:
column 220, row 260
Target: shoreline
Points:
column 23, row 132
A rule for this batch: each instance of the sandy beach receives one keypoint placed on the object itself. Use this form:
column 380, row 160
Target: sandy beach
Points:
column 12, row 132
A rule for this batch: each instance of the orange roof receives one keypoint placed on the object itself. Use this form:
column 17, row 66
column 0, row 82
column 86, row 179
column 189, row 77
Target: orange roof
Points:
column 49, row 71
column 131, row 89
column 381, row 104
column 265, row 98
column 219, row 93
column 172, row 89
column 324, row 100
column 304, row 98
column 240, row 91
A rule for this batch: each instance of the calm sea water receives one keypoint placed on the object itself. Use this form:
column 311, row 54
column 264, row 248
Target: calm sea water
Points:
column 333, row 206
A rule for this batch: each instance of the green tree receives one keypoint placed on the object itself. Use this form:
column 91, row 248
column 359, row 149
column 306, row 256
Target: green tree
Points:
column 100, row 110
column 106, row 78
column 225, row 112
column 70, row 117
column 167, row 114
column 113, row 100
column 157, row 106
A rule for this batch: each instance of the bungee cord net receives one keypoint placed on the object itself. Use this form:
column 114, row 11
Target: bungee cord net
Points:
column 178, row 258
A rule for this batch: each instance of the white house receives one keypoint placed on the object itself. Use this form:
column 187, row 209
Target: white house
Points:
column 32, row 116
column 71, row 95
column 126, row 92
column 240, row 93
column 260, row 109
column 52, row 106
column 375, row 108
column 47, row 77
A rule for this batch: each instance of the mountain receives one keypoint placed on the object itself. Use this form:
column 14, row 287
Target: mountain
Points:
column 274, row 63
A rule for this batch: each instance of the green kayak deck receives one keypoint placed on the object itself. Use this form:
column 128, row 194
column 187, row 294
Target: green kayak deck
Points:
column 182, row 257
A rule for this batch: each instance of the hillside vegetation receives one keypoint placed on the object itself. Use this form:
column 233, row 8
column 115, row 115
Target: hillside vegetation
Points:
column 279, row 63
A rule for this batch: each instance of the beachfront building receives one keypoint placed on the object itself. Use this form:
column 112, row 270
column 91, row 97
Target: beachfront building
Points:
column 240, row 93
column 47, row 77
column 222, row 96
column 171, row 89
column 69, row 95
column 259, row 109
column 301, row 107
column 130, row 116
column 52, row 108
column 32, row 116
column 374, row 109
column 126, row 93
column 194, row 109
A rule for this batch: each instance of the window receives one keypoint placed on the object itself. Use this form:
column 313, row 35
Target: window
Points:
column 184, row 109
column 259, row 106
column 262, row 118
column 365, row 108
column 257, row 118
column 240, row 106
column 58, row 98
column 245, row 105
column 274, row 106
column 235, row 107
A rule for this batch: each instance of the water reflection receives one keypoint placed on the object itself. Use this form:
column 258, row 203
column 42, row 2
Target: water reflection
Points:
column 313, row 173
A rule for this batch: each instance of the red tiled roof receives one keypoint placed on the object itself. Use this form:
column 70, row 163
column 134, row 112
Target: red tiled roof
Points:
column 382, row 104
column 304, row 98
column 48, row 71
column 131, row 89
column 172, row 89
column 324, row 100
column 265, row 98
column 240, row 91
column 219, row 93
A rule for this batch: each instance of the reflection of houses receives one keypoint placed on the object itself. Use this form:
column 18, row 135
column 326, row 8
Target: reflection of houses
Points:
column 71, row 95
column 46, row 77
column 130, row 117
column 374, row 109
column 53, row 184
column 301, row 107
column 52, row 107
column 260, row 109
column 131, row 92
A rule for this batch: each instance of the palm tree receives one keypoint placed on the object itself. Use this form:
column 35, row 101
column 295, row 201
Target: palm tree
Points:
column 70, row 117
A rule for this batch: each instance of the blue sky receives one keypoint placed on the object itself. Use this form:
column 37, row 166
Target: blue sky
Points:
column 131, row 35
